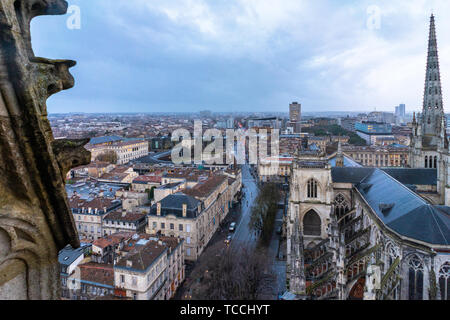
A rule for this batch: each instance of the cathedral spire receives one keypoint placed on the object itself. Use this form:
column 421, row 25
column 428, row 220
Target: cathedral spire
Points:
column 433, row 109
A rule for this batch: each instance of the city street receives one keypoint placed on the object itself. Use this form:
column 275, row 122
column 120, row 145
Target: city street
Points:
column 243, row 237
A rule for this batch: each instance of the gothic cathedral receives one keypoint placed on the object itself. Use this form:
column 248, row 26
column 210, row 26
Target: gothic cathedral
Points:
column 429, row 144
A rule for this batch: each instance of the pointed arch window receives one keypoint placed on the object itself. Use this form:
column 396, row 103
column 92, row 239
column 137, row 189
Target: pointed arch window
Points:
column 312, row 189
column 312, row 224
column 444, row 281
column 426, row 162
column 415, row 287
column 341, row 206
column 392, row 253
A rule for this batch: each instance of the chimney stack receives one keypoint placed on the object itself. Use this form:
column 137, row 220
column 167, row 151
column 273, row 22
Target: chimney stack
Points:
column 184, row 210
column 158, row 208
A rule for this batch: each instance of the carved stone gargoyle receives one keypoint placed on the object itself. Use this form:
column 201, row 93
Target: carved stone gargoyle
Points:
column 35, row 220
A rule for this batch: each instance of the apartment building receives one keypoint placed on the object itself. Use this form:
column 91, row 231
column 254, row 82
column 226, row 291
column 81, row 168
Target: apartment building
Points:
column 88, row 214
column 126, row 151
column 390, row 156
column 146, row 182
column 193, row 214
column 275, row 169
column 142, row 273
column 122, row 221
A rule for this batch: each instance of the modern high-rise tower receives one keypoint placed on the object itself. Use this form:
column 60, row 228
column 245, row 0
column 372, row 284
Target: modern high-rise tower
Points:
column 429, row 144
column 295, row 116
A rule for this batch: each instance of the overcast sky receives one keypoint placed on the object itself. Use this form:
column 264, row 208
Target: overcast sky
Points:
column 245, row 55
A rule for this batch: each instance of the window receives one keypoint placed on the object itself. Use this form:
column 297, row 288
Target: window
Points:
column 134, row 281
column 341, row 206
column 188, row 228
column 312, row 225
column 180, row 227
column 172, row 226
column 122, row 278
column 444, row 281
column 163, row 225
column 188, row 240
column 312, row 188
column 154, row 225
column 188, row 251
column 392, row 253
column 426, row 162
column 415, row 278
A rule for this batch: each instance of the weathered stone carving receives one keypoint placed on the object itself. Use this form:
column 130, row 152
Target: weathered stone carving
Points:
column 35, row 221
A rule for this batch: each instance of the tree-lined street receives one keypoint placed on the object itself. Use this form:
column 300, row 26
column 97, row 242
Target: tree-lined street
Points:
column 244, row 242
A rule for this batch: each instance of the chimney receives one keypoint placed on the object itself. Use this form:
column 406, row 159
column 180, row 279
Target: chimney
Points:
column 184, row 210
column 158, row 208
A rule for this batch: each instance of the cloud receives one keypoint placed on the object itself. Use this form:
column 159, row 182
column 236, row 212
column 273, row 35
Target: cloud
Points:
column 255, row 55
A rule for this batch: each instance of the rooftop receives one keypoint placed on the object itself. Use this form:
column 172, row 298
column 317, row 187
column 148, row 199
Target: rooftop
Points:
column 407, row 213
column 142, row 257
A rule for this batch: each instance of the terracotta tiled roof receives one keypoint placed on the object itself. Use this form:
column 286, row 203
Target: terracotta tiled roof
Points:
column 142, row 257
column 97, row 273
column 146, row 179
column 128, row 216
column 204, row 189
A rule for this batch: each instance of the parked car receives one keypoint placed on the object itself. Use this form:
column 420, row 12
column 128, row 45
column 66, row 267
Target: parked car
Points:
column 232, row 227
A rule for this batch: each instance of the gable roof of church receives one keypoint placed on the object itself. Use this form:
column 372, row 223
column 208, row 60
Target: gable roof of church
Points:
column 404, row 211
column 405, row 176
column 414, row 176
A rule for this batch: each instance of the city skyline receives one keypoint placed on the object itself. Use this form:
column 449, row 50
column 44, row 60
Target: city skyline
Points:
column 189, row 56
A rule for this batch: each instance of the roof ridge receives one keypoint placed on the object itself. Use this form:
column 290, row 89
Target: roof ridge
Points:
column 438, row 224
column 404, row 187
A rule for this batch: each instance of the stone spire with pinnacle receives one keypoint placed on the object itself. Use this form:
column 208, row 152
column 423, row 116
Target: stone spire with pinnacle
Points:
column 340, row 155
column 433, row 109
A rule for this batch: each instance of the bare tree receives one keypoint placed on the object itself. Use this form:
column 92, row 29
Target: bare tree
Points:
column 235, row 274
column 264, row 212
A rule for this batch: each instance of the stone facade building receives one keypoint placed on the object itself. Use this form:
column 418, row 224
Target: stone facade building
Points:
column 89, row 214
column 429, row 143
column 126, row 151
column 142, row 273
column 193, row 214
column 347, row 226
column 390, row 156
column 366, row 233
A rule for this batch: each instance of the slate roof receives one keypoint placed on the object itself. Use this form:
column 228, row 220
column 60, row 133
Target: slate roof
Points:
column 414, row 176
column 105, row 139
column 349, row 174
column 68, row 255
column 404, row 175
column 173, row 204
column 410, row 215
